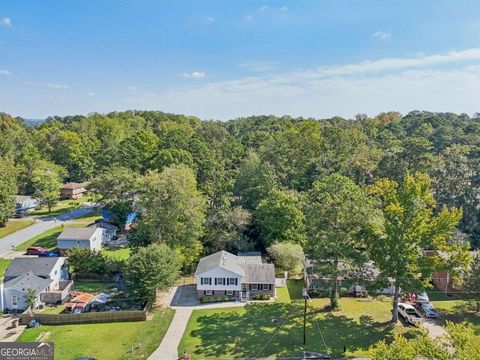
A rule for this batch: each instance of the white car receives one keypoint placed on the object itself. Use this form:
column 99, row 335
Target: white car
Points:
column 409, row 313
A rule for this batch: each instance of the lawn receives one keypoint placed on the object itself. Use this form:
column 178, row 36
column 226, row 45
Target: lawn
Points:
column 47, row 239
column 14, row 225
column 93, row 287
column 117, row 254
column 4, row 263
column 104, row 341
column 283, row 295
column 61, row 207
column 242, row 332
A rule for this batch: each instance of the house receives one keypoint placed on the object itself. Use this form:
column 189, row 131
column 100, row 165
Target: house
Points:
column 73, row 190
column 240, row 277
column 24, row 204
column 88, row 238
column 110, row 230
column 47, row 276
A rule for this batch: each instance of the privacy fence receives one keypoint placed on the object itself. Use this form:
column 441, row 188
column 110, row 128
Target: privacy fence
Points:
column 85, row 318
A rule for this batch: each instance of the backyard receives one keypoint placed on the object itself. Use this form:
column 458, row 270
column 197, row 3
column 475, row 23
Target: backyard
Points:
column 104, row 341
column 242, row 332
column 61, row 207
column 14, row 225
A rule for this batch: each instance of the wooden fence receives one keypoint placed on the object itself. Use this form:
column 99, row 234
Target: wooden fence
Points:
column 85, row 318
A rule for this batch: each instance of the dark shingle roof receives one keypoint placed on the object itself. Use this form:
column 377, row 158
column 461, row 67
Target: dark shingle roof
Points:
column 28, row 281
column 258, row 273
column 40, row 266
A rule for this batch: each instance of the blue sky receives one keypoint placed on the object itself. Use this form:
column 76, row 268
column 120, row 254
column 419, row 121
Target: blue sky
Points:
column 224, row 59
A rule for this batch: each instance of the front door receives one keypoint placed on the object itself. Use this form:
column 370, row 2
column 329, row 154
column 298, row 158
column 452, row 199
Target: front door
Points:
column 244, row 292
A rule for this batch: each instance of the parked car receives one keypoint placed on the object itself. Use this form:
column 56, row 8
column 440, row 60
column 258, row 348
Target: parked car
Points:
column 428, row 310
column 422, row 298
column 409, row 313
column 35, row 250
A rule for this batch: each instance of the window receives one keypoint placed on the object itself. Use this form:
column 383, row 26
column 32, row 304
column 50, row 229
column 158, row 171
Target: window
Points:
column 219, row 281
column 232, row 281
column 205, row 281
column 229, row 292
column 254, row 287
column 14, row 300
column 266, row 287
column 208, row 292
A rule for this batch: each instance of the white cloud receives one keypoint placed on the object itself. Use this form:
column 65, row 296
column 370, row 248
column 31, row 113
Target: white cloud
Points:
column 4, row 72
column 210, row 19
column 401, row 84
column 91, row 93
column 284, row 9
column 6, row 21
column 249, row 17
column 262, row 8
column 381, row 35
column 56, row 86
column 258, row 65
column 132, row 88
column 195, row 74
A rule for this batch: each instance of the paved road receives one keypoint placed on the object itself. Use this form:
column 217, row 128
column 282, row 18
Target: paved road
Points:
column 19, row 237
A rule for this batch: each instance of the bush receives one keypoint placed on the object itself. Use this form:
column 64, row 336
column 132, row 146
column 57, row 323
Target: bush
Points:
column 211, row 299
column 266, row 297
column 203, row 300
column 220, row 299
column 227, row 298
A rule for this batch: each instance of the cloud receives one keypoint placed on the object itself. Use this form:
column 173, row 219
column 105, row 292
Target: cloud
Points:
column 195, row 74
column 4, row 72
column 284, row 9
column 210, row 19
column 91, row 93
column 56, row 86
column 249, row 17
column 381, row 35
column 401, row 84
column 258, row 65
column 132, row 88
column 6, row 21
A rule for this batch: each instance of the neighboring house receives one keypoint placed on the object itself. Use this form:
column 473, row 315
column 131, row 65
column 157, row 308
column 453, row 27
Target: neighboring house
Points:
column 73, row 190
column 241, row 277
column 25, row 204
column 110, row 230
column 48, row 276
column 88, row 238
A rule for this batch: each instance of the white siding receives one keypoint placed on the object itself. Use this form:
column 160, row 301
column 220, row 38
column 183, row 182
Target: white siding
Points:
column 218, row 272
column 95, row 242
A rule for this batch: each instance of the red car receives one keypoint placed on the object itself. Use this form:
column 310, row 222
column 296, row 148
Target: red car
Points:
column 35, row 250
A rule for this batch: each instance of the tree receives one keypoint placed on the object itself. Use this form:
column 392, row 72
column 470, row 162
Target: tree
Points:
column 254, row 181
column 116, row 189
column 280, row 218
column 153, row 268
column 287, row 256
column 337, row 212
column 85, row 261
column 457, row 344
column 173, row 211
column 408, row 226
column 46, row 182
column 138, row 151
column 471, row 283
column 31, row 298
column 8, row 189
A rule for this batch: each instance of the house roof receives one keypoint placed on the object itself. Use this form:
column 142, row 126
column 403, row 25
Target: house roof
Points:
column 28, row 281
column 21, row 198
column 40, row 266
column 221, row 259
column 73, row 185
column 258, row 273
column 103, row 225
column 77, row 233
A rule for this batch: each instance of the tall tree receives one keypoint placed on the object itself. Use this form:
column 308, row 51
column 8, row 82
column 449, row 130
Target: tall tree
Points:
column 287, row 256
column 138, row 151
column 471, row 282
column 337, row 213
column 408, row 226
column 8, row 189
column 280, row 218
column 46, row 182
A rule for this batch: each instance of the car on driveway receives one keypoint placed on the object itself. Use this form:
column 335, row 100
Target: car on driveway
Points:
column 35, row 250
column 428, row 310
column 409, row 313
column 422, row 298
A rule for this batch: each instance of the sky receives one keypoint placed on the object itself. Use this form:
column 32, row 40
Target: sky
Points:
column 226, row 59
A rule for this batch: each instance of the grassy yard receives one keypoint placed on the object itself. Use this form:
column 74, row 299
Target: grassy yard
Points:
column 48, row 239
column 4, row 263
column 117, row 254
column 104, row 341
column 14, row 225
column 93, row 287
column 61, row 207
column 242, row 332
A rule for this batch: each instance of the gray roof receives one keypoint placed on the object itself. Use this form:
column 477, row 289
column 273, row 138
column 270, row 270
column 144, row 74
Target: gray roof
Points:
column 221, row 259
column 249, row 266
column 28, row 281
column 74, row 185
column 40, row 266
column 21, row 198
column 258, row 273
column 77, row 233
column 103, row 225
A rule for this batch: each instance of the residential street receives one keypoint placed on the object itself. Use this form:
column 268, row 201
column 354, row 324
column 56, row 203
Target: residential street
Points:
column 39, row 227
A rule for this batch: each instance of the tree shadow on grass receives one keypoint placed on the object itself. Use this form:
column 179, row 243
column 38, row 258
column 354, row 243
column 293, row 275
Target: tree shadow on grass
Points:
column 245, row 333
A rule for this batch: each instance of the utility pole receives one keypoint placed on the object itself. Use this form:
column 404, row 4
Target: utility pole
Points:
column 305, row 296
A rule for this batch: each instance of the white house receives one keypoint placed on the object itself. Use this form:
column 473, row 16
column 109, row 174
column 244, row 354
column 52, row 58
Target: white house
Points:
column 47, row 276
column 109, row 230
column 88, row 238
column 24, row 204
column 242, row 277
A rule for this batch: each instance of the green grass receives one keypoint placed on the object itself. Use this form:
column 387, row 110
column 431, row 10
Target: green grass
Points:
column 242, row 332
column 117, row 254
column 4, row 263
column 13, row 226
column 283, row 295
column 93, row 287
column 295, row 288
column 104, row 341
column 47, row 239
column 53, row 310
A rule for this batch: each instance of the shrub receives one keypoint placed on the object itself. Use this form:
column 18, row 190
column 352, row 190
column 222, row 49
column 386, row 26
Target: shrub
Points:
column 266, row 297
column 203, row 300
column 227, row 298
column 212, row 299
column 220, row 299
